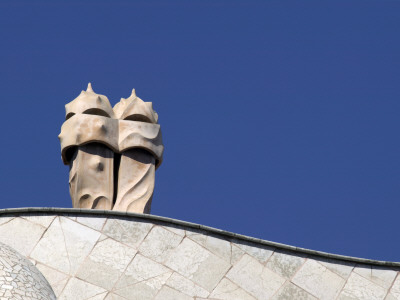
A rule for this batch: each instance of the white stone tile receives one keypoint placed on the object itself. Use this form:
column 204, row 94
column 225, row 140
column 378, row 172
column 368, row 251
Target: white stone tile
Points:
column 285, row 263
column 56, row 279
column 260, row 253
column 143, row 290
column 142, row 269
column 21, row 235
column 391, row 297
column 236, row 254
column 167, row 293
column 219, row 247
column 292, row 292
column 128, row 232
column 176, row 229
column 200, row 265
column 43, row 220
column 357, row 287
column 186, row 286
column 106, row 263
column 112, row 296
column 5, row 219
column 318, row 280
column 95, row 223
column 65, row 245
column 101, row 296
column 342, row 268
column 159, row 243
column 227, row 290
column 254, row 278
column 395, row 290
column 78, row 289
column 378, row 275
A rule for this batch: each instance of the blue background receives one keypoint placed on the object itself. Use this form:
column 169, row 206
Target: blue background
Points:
column 280, row 118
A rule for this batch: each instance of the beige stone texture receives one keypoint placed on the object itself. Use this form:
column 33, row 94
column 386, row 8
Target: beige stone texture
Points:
column 395, row 289
column 342, row 268
column 254, row 278
column 136, row 176
column 318, row 280
column 93, row 135
column 91, row 181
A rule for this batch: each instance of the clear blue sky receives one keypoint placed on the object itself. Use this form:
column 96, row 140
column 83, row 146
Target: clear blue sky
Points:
column 280, row 118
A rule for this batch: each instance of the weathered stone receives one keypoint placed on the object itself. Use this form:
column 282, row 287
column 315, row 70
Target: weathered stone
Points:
column 359, row 288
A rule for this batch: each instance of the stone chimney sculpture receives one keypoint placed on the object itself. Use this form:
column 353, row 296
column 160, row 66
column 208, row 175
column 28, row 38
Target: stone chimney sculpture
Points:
column 112, row 153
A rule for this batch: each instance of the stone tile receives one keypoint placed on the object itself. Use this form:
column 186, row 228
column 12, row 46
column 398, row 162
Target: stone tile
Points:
column 395, row 290
column 391, row 297
column 227, row 290
column 359, row 288
column 260, row 253
column 5, row 219
column 142, row 269
column 56, row 279
column 131, row 233
column 290, row 291
column 93, row 222
column 253, row 277
column 112, row 296
column 342, row 268
column 167, row 293
column 101, row 296
column 159, row 243
column 219, row 247
column 106, row 263
column 176, row 229
column 236, row 254
column 318, row 280
column 200, row 265
column 143, row 290
column 78, row 289
column 184, row 285
column 378, row 275
column 21, row 235
column 43, row 220
column 285, row 263
column 65, row 245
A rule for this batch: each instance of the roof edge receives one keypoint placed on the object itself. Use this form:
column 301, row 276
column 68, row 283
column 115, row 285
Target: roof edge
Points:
column 98, row 212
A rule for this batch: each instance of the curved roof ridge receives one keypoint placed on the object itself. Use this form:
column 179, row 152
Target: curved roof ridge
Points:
column 56, row 210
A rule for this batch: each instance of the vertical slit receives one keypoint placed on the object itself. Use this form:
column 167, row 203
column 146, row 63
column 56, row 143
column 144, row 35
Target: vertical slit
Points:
column 117, row 162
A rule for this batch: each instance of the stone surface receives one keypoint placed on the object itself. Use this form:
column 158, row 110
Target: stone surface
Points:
column 253, row 277
column 102, row 148
column 318, row 280
column 99, row 256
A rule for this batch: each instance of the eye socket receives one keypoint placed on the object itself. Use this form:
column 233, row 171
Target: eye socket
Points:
column 139, row 118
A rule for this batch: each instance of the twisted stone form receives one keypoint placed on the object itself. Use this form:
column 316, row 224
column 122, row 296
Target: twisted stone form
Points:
column 112, row 153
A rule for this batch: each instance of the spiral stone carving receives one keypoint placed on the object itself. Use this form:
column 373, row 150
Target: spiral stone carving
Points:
column 112, row 152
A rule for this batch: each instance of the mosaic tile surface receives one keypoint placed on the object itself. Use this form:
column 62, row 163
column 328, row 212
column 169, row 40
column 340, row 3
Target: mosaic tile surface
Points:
column 20, row 279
